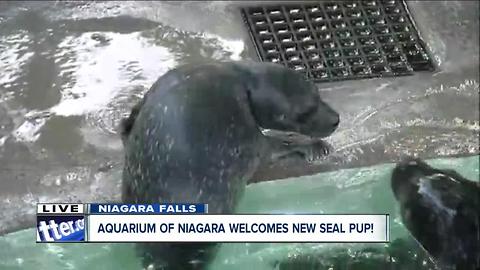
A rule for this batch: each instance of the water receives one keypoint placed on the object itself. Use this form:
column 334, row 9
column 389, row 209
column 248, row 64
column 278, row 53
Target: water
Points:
column 70, row 70
column 365, row 190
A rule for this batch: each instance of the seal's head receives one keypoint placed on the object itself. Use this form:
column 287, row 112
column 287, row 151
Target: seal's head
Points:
column 441, row 210
column 282, row 99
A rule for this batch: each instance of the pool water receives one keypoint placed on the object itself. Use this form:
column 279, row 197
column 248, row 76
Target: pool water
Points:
column 362, row 190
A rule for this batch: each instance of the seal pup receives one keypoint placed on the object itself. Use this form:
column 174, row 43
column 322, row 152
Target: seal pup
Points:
column 196, row 137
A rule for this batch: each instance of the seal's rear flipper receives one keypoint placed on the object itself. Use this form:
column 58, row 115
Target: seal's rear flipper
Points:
column 176, row 256
column 126, row 124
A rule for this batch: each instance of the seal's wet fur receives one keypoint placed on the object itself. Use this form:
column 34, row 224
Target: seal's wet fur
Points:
column 441, row 209
column 196, row 137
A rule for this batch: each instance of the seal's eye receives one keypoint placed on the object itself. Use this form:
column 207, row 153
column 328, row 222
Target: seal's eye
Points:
column 303, row 117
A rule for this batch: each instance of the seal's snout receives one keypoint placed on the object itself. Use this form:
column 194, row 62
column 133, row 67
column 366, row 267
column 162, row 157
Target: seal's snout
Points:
column 409, row 161
column 322, row 123
column 406, row 176
column 335, row 120
column 409, row 166
column 329, row 115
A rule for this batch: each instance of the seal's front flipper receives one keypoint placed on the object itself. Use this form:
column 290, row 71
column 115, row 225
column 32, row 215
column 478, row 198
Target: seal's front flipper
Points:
column 305, row 151
column 312, row 152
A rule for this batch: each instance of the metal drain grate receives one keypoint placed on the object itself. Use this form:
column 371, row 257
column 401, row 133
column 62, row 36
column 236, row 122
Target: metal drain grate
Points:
column 339, row 40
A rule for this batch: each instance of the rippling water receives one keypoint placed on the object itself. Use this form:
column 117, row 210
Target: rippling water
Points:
column 70, row 72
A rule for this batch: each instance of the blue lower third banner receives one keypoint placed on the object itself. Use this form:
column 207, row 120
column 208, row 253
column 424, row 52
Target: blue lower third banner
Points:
column 61, row 228
column 238, row 228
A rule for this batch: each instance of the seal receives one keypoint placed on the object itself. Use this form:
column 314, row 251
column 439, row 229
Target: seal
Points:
column 441, row 210
column 196, row 137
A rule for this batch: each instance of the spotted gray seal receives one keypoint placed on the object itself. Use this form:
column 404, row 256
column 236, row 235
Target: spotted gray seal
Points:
column 441, row 209
column 196, row 137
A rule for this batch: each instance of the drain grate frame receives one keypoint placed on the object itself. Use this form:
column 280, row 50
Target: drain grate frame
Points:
column 342, row 40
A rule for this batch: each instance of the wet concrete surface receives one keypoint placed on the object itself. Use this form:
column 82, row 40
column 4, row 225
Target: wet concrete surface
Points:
column 69, row 71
